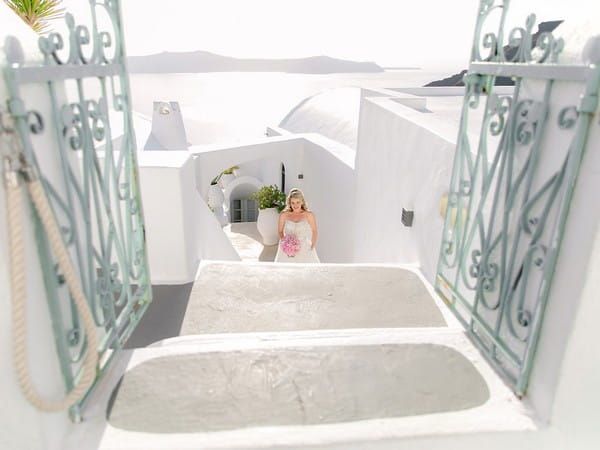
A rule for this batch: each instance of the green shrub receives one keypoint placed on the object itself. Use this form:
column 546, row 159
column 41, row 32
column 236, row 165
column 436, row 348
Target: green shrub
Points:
column 269, row 197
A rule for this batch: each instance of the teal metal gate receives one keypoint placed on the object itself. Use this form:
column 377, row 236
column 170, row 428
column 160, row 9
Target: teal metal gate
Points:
column 511, row 187
column 96, row 197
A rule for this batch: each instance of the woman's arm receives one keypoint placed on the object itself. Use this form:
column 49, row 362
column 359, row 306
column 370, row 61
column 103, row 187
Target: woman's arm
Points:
column 312, row 221
column 280, row 224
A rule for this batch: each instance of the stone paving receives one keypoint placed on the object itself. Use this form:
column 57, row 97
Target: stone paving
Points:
column 247, row 242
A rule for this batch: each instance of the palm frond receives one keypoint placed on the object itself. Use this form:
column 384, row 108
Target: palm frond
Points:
column 37, row 13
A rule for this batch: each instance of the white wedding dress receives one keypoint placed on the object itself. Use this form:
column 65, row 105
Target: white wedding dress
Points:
column 303, row 233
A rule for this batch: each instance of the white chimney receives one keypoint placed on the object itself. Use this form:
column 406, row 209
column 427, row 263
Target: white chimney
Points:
column 168, row 132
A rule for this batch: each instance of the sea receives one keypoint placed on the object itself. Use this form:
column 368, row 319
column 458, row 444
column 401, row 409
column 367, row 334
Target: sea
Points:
column 230, row 107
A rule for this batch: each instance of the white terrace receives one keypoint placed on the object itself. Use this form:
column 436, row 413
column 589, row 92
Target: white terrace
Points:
column 473, row 324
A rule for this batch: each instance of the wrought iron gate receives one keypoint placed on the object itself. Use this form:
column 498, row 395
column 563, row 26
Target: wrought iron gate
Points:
column 511, row 187
column 96, row 198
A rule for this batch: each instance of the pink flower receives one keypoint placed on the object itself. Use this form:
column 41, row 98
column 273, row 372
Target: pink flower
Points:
column 290, row 245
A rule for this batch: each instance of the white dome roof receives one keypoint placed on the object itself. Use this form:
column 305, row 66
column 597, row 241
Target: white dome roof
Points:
column 332, row 113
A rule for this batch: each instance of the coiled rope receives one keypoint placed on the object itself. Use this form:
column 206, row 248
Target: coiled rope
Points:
column 18, row 296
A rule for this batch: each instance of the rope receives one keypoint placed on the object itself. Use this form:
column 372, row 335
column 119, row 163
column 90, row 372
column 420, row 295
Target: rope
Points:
column 17, row 272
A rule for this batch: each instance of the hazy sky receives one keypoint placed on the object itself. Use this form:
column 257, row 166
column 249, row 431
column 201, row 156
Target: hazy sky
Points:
column 424, row 33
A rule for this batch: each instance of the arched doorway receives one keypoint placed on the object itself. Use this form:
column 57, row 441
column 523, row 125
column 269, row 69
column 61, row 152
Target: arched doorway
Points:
column 237, row 193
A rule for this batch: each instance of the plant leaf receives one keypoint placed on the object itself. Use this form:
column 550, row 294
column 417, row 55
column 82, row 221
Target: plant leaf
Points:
column 37, row 13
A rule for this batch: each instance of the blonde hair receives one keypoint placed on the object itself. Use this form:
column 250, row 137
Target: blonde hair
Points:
column 295, row 193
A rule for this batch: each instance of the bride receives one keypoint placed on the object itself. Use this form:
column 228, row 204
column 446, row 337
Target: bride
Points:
column 298, row 221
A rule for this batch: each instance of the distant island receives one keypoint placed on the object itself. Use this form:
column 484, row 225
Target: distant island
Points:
column 509, row 54
column 201, row 61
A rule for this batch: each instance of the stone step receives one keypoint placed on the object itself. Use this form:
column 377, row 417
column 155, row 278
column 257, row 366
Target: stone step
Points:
column 311, row 389
column 301, row 356
column 234, row 297
column 243, row 297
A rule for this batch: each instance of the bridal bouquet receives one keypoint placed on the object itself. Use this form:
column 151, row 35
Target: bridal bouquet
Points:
column 290, row 245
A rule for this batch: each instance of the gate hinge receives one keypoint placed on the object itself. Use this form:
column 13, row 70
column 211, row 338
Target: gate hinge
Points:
column 588, row 103
column 17, row 107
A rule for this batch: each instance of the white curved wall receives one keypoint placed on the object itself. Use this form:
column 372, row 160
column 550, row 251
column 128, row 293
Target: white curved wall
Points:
column 332, row 113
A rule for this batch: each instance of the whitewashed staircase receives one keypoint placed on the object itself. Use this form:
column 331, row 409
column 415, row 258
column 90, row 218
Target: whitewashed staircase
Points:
column 300, row 356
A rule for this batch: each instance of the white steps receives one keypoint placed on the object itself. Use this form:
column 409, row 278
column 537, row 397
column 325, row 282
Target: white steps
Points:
column 384, row 368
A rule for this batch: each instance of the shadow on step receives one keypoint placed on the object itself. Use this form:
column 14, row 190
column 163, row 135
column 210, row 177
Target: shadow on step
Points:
column 164, row 316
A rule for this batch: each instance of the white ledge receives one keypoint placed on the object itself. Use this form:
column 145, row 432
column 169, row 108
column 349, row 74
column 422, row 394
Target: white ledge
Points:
column 24, row 75
column 531, row 70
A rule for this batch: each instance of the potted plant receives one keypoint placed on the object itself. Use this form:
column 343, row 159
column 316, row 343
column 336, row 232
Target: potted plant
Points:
column 271, row 202
column 227, row 176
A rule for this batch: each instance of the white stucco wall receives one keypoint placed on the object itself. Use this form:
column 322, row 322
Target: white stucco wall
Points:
column 404, row 159
column 260, row 158
column 560, row 387
column 22, row 426
column 329, row 189
column 180, row 228
column 250, row 168
column 574, row 412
